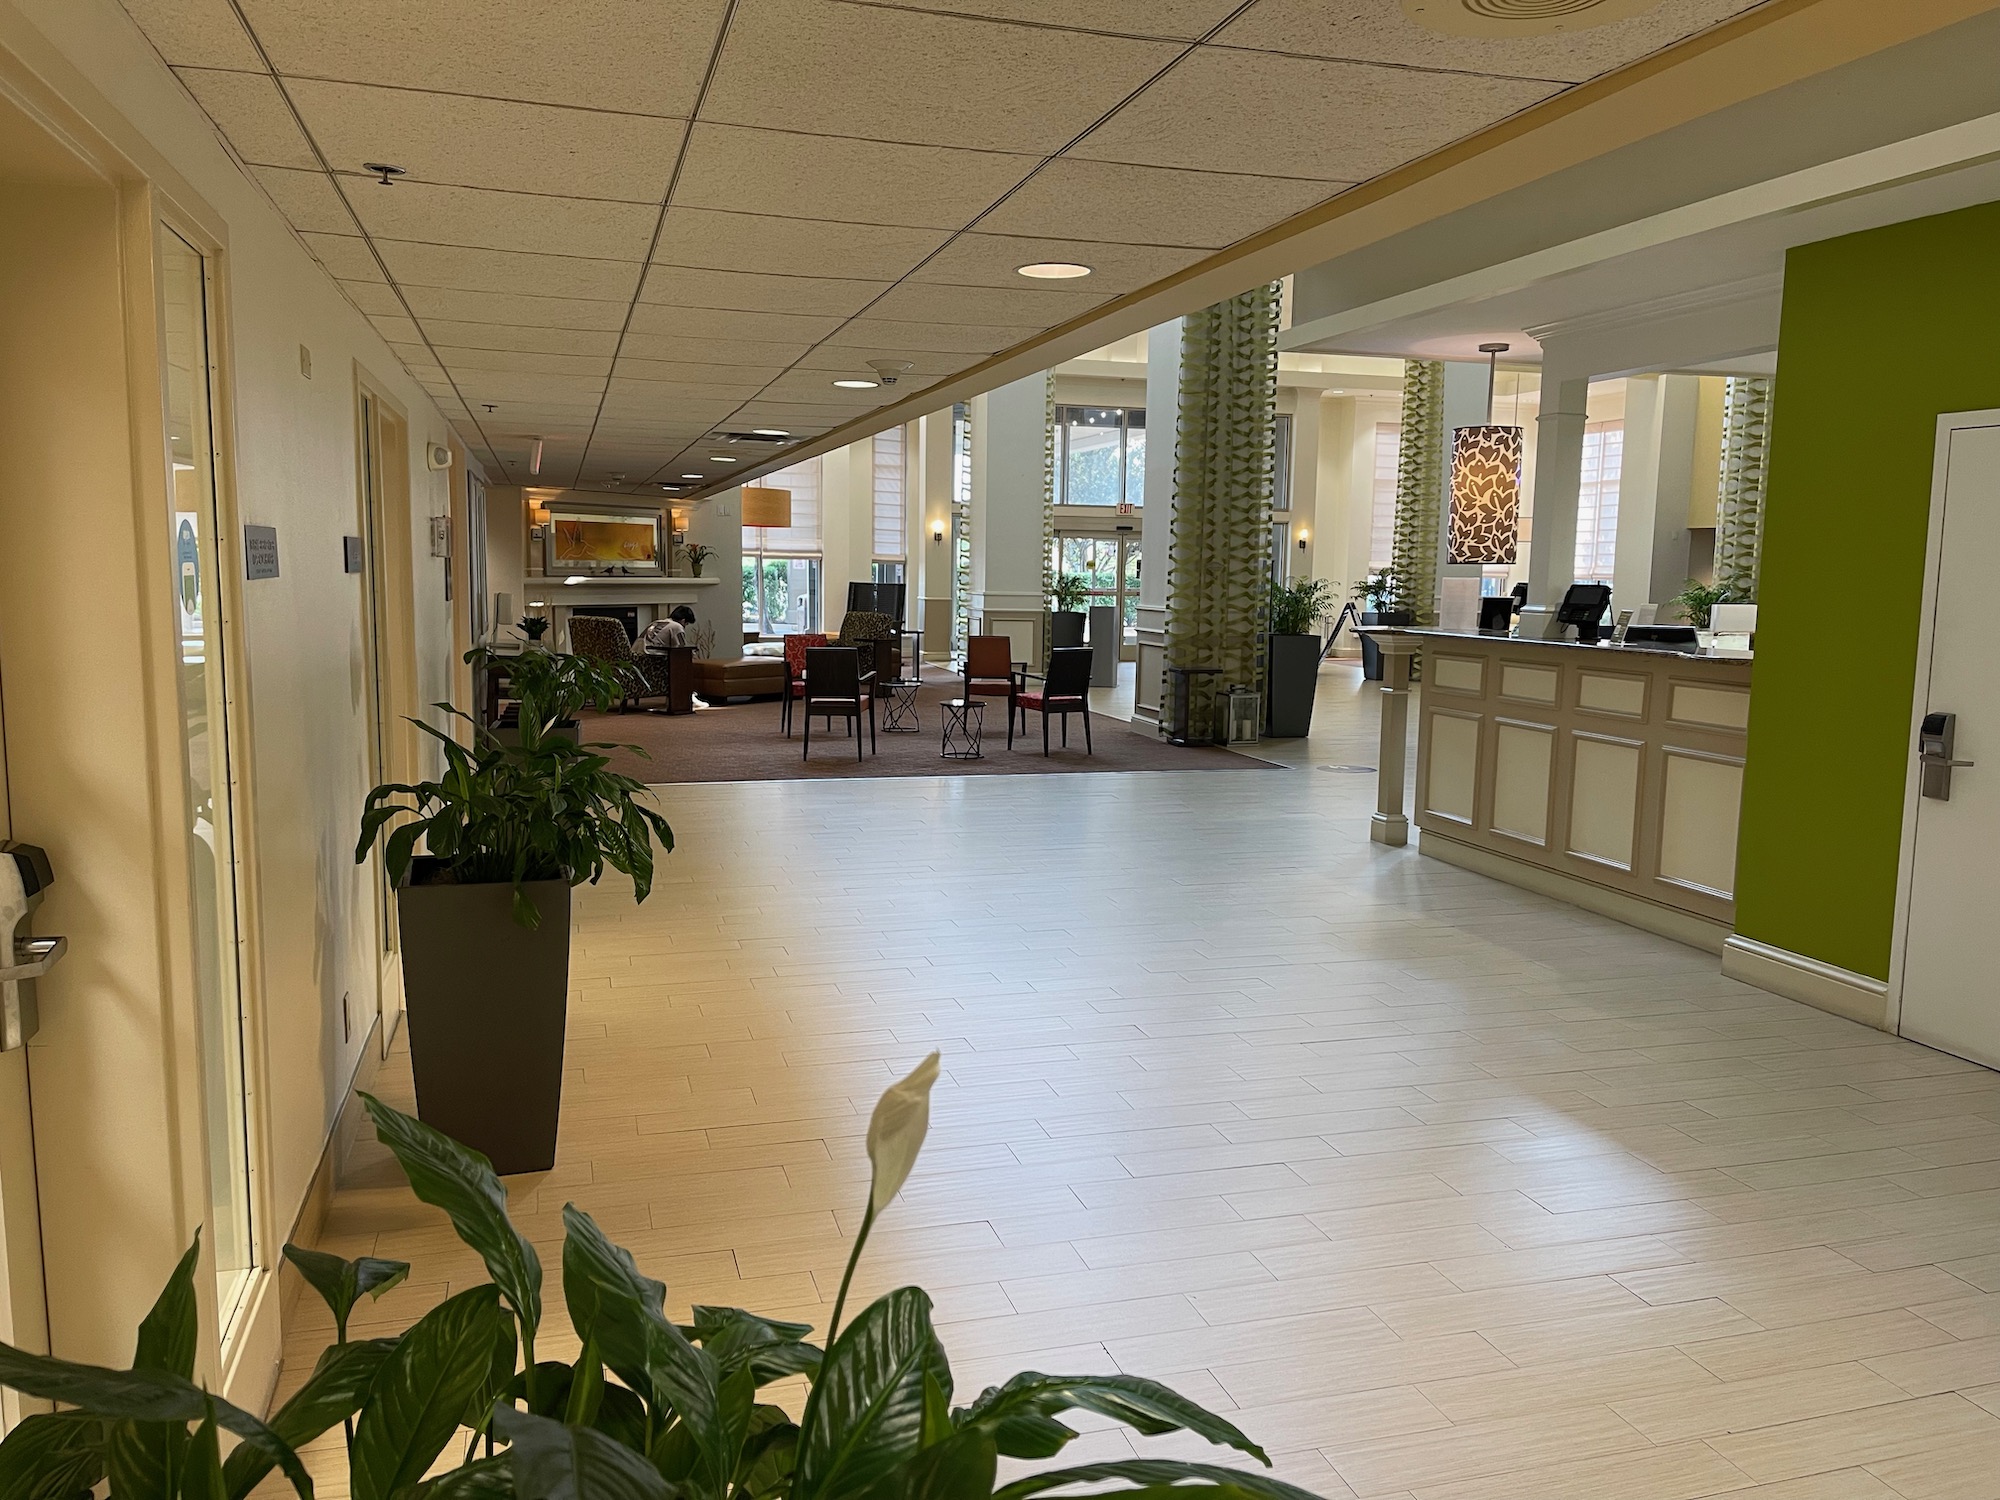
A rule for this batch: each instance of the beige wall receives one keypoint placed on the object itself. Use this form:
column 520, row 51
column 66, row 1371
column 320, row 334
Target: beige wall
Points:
column 126, row 1187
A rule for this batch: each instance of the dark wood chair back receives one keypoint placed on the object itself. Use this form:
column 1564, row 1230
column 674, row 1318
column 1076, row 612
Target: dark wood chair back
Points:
column 833, row 674
column 1069, row 673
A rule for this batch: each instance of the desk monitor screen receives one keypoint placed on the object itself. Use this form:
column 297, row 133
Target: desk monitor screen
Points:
column 1584, row 606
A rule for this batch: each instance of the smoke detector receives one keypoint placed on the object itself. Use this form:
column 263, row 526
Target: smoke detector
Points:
column 1512, row 18
column 890, row 370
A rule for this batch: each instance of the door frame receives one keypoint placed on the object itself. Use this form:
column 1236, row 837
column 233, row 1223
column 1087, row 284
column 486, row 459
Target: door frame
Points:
column 1906, row 861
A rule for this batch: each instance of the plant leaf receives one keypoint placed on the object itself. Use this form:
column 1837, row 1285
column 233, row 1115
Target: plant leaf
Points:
column 959, row 1468
column 167, row 1334
column 737, row 1338
column 52, row 1456
column 423, row 1391
column 586, row 1389
column 554, row 1462
column 140, row 1396
column 337, row 1388
column 341, row 1283
column 482, row 1479
column 769, row 1452
column 460, row 1181
column 869, row 1398
column 202, row 1477
column 1145, row 1405
column 1163, row 1476
column 146, row 1459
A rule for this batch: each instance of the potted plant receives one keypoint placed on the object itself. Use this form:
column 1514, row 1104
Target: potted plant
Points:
column 534, row 627
column 565, row 682
column 1698, row 601
column 1291, row 655
column 484, row 909
column 696, row 555
column 1071, row 594
column 1380, row 596
column 649, row 1408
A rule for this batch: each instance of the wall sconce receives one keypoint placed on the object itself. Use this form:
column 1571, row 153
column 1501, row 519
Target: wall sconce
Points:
column 1485, row 484
column 937, row 531
column 1303, row 535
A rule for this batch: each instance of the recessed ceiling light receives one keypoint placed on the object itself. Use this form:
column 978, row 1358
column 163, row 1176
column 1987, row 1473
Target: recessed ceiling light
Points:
column 1053, row 270
column 694, row 476
column 769, row 432
column 857, row 384
column 720, row 458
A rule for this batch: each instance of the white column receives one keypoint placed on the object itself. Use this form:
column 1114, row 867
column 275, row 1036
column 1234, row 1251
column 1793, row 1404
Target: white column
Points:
column 1558, row 477
column 1654, row 488
column 718, row 523
column 1156, row 531
column 1464, row 406
column 1008, row 437
column 1304, row 514
column 1680, row 411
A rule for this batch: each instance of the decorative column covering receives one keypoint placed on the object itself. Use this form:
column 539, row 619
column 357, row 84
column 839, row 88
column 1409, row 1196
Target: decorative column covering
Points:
column 1218, row 584
column 961, row 528
column 1739, row 515
column 1048, row 519
column 1419, row 484
column 1156, row 517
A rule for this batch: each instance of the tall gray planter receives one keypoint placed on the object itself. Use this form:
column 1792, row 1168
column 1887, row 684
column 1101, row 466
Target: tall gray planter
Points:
column 1371, row 654
column 1291, row 678
column 1107, row 644
column 487, row 1003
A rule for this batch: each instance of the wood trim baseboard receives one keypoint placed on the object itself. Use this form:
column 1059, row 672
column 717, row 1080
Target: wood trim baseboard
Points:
column 1667, row 921
column 1808, row 981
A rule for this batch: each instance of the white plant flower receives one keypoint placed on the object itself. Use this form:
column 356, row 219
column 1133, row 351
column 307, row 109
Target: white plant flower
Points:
column 897, row 1129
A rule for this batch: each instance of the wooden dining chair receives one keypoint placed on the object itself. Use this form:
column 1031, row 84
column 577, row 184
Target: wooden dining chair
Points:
column 837, row 688
column 1065, row 691
column 991, row 672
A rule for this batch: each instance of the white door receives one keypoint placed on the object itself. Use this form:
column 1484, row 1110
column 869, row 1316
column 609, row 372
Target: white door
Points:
column 1951, row 997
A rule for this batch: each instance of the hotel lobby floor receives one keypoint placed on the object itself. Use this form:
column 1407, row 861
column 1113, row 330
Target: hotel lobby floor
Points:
column 1438, row 1188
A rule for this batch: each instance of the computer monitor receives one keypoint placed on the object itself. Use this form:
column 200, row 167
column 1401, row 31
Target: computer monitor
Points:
column 1584, row 606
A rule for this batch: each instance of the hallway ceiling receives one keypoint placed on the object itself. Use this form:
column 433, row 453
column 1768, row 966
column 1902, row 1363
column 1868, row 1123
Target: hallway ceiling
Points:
column 627, row 226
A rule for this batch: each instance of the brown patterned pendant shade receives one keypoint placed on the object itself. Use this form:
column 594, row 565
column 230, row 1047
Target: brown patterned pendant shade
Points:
column 1485, row 494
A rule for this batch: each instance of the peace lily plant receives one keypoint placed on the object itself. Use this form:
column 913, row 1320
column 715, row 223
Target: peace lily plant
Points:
column 459, row 1407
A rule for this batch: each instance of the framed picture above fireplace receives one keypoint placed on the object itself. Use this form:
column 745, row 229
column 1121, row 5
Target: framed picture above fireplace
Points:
column 603, row 543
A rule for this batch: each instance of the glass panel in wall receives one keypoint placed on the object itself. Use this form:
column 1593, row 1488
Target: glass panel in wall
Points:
column 1135, row 457
column 1093, row 455
column 205, row 760
column 1129, row 603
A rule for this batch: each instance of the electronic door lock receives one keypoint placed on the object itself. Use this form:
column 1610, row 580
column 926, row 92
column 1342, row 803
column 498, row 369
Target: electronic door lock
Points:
column 25, row 877
column 1937, row 740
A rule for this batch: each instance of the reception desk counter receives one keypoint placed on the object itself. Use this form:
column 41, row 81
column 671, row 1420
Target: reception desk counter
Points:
column 1610, row 776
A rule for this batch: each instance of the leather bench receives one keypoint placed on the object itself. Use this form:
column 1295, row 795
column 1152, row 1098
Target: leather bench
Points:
column 744, row 677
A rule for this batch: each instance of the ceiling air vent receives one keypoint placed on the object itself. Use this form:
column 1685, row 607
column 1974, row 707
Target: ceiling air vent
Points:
column 1510, row 18
column 748, row 437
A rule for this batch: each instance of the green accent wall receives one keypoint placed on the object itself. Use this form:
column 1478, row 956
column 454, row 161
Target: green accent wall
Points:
column 1883, row 331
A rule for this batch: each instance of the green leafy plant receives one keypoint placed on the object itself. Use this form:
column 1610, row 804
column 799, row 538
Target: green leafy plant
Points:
column 696, row 555
column 650, row 1409
column 1698, row 600
column 1071, row 592
column 1381, row 591
column 1298, row 605
column 534, row 627
column 543, row 808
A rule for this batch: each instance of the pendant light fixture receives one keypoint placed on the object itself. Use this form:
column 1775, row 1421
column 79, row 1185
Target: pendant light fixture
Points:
column 1485, row 483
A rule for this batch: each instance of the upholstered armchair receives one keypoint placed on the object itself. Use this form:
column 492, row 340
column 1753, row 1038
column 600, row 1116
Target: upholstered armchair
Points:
column 603, row 640
column 874, row 635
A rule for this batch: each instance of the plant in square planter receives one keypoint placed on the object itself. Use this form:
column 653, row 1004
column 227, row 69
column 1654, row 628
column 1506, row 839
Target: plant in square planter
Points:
column 1380, row 595
column 484, row 908
column 1291, row 656
column 533, row 627
column 1071, row 595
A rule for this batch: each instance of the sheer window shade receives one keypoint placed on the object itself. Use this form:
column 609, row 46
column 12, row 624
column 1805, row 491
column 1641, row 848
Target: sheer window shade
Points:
column 1382, row 510
column 891, row 487
column 802, row 537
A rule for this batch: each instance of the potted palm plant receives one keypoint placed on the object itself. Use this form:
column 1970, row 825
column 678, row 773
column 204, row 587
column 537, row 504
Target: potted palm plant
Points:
column 1071, row 594
column 484, row 907
column 1291, row 673
column 1698, row 600
column 1380, row 595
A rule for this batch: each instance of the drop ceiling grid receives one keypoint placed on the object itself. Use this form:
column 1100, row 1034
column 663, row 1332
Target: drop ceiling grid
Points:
column 598, row 236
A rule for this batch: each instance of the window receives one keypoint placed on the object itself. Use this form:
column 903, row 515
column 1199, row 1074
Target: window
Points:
column 781, row 564
column 1109, row 568
column 1102, row 455
column 892, row 521
column 1382, row 513
column 1597, row 501
column 887, row 572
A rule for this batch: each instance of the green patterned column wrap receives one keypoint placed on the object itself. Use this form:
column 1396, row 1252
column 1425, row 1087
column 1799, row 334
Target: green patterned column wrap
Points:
column 1219, row 563
column 1048, row 519
column 1420, row 489
column 1739, row 516
column 961, row 528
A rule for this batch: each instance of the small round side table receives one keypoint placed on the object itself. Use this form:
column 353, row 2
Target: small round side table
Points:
column 963, row 719
column 899, row 706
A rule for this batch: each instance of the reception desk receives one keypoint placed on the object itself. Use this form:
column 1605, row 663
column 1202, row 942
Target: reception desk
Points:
column 1610, row 776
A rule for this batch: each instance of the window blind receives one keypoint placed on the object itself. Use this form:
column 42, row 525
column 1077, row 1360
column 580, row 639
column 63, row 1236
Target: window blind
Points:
column 1382, row 512
column 802, row 537
column 1597, row 501
column 891, row 491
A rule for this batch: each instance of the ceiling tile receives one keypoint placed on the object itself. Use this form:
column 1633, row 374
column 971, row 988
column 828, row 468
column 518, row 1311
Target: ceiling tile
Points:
column 1257, row 112
column 706, row 240
column 514, row 309
column 1097, row 200
column 903, row 75
column 796, row 417
column 716, row 323
column 666, row 346
column 375, row 298
column 1379, row 31
column 395, row 328
column 944, row 338
column 682, row 286
column 989, row 260
column 508, row 271
column 196, row 33
column 923, row 302
column 832, row 357
column 491, row 143
column 684, row 372
column 590, row 228
column 249, row 110
column 308, row 200
column 345, row 256
column 816, row 388
column 449, row 334
column 1180, row 20
column 511, row 385
column 837, row 177
column 638, row 56
column 596, row 365
column 629, row 396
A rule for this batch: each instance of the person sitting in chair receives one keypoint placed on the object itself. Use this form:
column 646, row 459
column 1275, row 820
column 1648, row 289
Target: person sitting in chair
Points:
column 671, row 631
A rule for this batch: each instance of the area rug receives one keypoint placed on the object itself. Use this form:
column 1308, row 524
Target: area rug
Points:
column 743, row 742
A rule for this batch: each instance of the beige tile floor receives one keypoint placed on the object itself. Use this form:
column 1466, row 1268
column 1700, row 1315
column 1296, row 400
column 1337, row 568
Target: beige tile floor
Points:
column 1440, row 1189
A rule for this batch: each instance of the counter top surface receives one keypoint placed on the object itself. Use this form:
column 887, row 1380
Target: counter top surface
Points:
column 1602, row 648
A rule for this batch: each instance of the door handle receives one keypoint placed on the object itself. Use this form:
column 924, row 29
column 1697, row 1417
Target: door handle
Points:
column 34, row 957
column 1937, row 742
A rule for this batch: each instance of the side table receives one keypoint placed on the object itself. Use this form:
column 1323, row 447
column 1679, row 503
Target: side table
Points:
column 963, row 720
column 899, row 711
